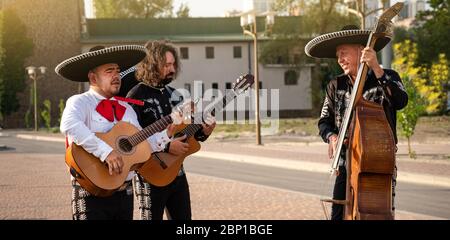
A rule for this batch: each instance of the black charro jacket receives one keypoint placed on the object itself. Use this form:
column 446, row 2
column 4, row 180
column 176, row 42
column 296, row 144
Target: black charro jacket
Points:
column 338, row 93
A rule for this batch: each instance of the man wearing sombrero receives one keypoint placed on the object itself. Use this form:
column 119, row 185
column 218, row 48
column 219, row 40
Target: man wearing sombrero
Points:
column 97, row 110
column 383, row 86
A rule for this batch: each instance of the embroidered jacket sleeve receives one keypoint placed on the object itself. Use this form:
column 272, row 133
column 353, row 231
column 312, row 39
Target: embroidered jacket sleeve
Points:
column 200, row 136
column 327, row 125
column 73, row 125
column 394, row 89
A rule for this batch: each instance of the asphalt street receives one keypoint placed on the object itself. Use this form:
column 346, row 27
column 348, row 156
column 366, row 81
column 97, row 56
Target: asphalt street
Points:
column 416, row 198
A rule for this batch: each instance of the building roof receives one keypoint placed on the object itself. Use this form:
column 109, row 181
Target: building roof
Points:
column 177, row 29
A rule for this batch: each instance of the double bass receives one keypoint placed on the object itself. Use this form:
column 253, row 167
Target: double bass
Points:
column 371, row 150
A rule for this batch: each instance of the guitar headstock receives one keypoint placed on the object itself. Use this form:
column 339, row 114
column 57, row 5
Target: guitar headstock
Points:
column 384, row 24
column 243, row 83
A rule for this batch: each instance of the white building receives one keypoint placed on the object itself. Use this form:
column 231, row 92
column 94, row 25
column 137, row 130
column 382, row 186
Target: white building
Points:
column 213, row 51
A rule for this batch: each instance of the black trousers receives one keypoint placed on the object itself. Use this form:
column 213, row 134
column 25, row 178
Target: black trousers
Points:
column 85, row 206
column 174, row 197
column 339, row 191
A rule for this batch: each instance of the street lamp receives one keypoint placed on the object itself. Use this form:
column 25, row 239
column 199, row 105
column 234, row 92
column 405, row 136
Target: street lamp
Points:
column 34, row 75
column 248, row 24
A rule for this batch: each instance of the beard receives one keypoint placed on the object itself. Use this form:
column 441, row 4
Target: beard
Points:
column 168, row 79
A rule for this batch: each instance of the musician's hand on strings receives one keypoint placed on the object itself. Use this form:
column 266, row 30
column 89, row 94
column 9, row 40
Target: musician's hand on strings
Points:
column 209, row 125
column 332, row 145
column 171, row 130
column 369, row 56
column 115, row 163
column 178, row 146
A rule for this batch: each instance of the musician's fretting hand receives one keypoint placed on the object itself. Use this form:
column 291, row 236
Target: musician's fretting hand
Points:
column 209, row 125
column 369, row 56
column 171, row 130
column 178, row 147
column 332, row 145
column 115, row 163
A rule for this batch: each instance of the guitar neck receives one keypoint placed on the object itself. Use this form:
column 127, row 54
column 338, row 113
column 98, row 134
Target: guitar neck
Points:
column 190, row 130
column 151, row 129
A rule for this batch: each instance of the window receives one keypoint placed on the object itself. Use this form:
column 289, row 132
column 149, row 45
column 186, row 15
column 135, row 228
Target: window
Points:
column 290, row 77
column 184, row 53
column 209, row 52
column 228, row 85
column 215, row 87
column 237, row 52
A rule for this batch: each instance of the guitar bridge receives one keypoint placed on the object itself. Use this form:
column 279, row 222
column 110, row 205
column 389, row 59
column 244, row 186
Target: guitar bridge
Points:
column 161, row 162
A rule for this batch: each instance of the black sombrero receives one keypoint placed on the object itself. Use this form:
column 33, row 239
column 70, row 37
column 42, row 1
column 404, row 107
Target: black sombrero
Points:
column 324, row 46
column 78, row 67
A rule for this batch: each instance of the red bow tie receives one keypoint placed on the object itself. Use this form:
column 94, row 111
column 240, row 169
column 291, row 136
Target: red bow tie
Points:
column 110, row 108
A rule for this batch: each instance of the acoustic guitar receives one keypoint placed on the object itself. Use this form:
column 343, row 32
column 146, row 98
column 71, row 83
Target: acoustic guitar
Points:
column 93, row 174
column 163, row 167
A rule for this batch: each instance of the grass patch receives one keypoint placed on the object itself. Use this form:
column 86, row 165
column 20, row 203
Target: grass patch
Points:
column 428, row 126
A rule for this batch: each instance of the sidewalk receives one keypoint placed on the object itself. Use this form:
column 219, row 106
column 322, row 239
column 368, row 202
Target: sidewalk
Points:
column 38, row 187
column 431, row 167
column 212, row 198
column 223, row 199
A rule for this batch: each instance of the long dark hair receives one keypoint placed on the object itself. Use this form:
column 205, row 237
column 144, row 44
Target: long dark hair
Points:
column 149, row 69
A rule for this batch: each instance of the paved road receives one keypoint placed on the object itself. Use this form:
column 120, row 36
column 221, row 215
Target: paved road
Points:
column 415, row 198
column 421, row 199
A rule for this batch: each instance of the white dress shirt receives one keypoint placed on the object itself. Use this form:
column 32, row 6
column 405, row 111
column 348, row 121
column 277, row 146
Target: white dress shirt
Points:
column 80, row 121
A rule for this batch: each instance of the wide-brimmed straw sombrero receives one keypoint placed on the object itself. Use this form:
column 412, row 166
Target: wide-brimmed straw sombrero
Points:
column 324, row 46
column 77, row 68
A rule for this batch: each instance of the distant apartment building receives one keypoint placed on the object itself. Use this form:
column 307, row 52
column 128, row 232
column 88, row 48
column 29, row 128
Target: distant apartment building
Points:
column 409, row 12
column 259, row 6
column 405, row 17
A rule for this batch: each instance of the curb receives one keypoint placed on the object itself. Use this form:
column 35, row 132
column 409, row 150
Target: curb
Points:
column 41, row 138
column 318, row 167
column 415, row 178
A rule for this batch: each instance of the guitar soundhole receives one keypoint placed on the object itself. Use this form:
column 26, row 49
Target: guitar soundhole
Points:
column 125, row 145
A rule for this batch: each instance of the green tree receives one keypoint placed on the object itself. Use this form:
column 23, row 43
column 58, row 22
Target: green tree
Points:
column 15, row 47
column 183, row 11
column 2, row 56
column 433, row 86
column 401, row 34
column 432, row 31
column 61, row 107
column 133, row 8
column 317, row 17
column 405, row 55
column 46, row 114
